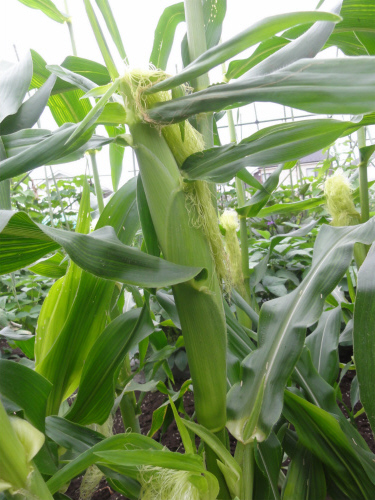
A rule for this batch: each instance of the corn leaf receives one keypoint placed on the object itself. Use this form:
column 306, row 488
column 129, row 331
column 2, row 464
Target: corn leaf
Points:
column 83, row 461
column 164, row 34
column 323, row 345
column 112, row 27
column 259, row 271
column 363, row 336
column 281, row 332
column 96, row 393
column 321, row 434
column 53, row 267
column 123, row 460
column 14, row 83
column 307, row 45
column 70, row 435
column 253, row 206
column 238, row 67
column 30, row 111
column 148, row 229
column 305, row 478
column 101, row 40
column 213, row 14
column 287, row 208
column 48, row 8
column 100, row 253
column 121, row 213
column 25, row 388
column 328, row 86
column 276, row 144
column 41, row 152
column 257, row 33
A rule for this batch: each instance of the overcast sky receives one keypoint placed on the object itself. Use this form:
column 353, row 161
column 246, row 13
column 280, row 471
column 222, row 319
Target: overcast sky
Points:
column 26, row 28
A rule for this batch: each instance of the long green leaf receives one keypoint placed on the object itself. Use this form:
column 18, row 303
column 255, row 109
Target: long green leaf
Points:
column 257, row 33
column 30, row 111
column 363, row 335
column 323, row 345
column 48, row 8
column 164, row 34
column 96, row 392
column 281, row 331
column 83, row 461
column 320, row 432
column 253, row 206
column 287, row 208
column 27, row 389
column 265, row 50
column 276, row 144
column 101, row 40
column 121, row 460
column 43, row 152
column 307, row 45
column 110, row 21
column 305, row 478
column 14, row 83
column 100, row 253
column 328, row 86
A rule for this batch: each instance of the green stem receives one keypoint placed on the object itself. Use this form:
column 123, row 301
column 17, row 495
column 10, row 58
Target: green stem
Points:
column 363, row 181
column 5, row 203
column 60, row 200
column 211, row 465
column 98, row 188
column 127, row 407
column 247, row 463
column 49, row 197
column 70, row 28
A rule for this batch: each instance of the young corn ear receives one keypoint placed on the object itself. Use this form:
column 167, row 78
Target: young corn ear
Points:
column 199, row 301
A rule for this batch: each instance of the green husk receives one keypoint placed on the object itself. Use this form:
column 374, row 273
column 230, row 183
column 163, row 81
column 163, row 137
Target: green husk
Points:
column 339, row 201
column 167, row 484
column 199, row 202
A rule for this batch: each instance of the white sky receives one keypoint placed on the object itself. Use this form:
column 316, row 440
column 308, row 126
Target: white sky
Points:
column 27, row 28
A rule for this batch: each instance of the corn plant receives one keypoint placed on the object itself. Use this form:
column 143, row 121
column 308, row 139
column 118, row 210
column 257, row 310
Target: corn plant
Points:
column 255, row 373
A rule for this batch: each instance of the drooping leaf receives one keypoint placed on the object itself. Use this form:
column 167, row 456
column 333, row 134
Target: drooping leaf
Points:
column 321, row 434
column 30, row 111
column 294, row 207
column 255, row 34
column 328, row 86
column 164, row 34
column 100, row 253
column 48, row 8
column 42, row 152
column 276, row 144
column 27, row 389
column 281, row 331
column 84, row 460
column 267, row 48
column 307, row 45
column 14, row 83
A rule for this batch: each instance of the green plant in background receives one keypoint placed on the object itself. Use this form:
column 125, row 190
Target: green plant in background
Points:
column 256, row 372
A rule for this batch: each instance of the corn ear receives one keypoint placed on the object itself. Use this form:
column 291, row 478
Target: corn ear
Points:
column 198, row 301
